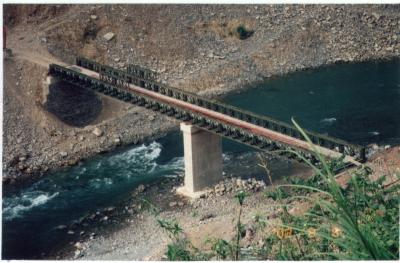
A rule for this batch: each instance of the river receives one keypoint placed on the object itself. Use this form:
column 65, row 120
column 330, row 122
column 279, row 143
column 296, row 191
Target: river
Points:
column 356, row 102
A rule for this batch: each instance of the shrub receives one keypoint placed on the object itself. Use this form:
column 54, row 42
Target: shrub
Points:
column 243, row 33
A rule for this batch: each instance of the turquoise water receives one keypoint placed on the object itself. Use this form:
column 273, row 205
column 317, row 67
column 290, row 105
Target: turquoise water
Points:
column 356, row 102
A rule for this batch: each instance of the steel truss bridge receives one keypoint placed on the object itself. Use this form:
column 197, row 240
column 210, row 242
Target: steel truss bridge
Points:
column 138, row 86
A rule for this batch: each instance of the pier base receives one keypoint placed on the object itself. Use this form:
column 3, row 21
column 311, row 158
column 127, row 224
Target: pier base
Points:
column 203, row 160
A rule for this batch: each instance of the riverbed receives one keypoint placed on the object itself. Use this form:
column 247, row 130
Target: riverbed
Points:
column 359, row 103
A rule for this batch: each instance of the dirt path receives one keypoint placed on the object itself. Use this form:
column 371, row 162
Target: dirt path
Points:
column 34, row 57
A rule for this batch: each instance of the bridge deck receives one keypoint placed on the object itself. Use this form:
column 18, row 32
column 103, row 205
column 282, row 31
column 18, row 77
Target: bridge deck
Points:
column 223, row 118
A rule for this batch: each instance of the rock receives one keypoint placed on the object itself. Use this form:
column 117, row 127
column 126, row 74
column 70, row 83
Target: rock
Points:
column 249, row 236
column 207, row 216
column 109, row 36
column 109, row 209
column 78, row 245
column 152, row 118
column 141, row 188
column 377, row 16
column 238, row 182
column 97, row 132
column 81, row 138
column 61, row 227
column 77, row 254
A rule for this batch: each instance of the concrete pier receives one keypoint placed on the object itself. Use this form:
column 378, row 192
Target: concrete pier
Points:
column 203, row 160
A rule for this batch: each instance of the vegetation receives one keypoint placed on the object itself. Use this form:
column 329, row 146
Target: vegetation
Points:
column 243, row 32
column 353, row 222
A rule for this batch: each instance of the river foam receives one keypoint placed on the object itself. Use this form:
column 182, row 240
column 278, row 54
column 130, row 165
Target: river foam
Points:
column 328, row 120
column 16, row 206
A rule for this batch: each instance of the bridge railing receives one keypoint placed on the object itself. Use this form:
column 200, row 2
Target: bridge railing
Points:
column 259, row 120
column 140, row 72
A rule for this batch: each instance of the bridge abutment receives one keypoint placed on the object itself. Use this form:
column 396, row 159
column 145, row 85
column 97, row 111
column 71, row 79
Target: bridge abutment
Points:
column 50, row 80
column 203, row 160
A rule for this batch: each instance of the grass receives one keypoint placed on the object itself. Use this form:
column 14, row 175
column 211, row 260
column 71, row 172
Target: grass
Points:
column 359, row 221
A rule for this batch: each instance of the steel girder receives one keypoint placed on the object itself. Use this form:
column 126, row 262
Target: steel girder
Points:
column 122, row 79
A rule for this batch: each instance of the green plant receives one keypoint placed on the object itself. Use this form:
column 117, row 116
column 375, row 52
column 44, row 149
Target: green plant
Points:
column 195, row 213
column 243, row 32
column 172, row 227
column 146, row 205
column 240, row 196
column 178, row 252
column 340, row 218
column 260, row 221
column 357, row 221
column 222, row 248
column 276, row 193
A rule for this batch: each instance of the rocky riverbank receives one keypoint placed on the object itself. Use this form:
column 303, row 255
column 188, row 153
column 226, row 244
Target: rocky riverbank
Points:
column 131, row 231
column 193, row 47
column 91, row 234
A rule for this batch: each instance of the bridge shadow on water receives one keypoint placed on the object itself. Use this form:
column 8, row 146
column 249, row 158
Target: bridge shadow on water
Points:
column 73, row 105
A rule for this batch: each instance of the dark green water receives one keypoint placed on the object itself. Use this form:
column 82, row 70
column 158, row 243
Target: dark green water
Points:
column 357, row 102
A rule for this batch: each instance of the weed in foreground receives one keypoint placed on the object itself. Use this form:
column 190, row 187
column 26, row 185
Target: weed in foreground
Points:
column 354, row 222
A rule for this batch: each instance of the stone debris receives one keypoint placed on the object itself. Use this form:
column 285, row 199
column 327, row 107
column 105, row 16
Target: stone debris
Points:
column 233, row 185
column 109, row 36
column 141, row 188
column 97, row 132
